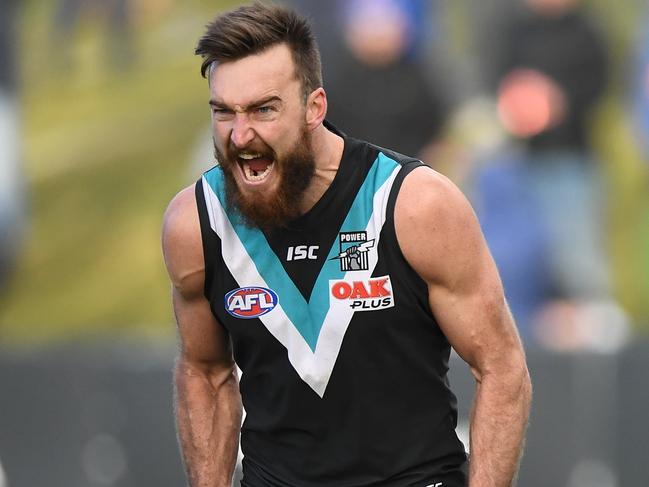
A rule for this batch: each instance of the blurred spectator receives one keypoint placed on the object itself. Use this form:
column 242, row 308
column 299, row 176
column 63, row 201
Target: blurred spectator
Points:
column 377, row 89
column 517, row 236
column 551, row 71
column 11, row 198
column 422, row 15
column 488, row 22
column 119, row 38
column 640, row 89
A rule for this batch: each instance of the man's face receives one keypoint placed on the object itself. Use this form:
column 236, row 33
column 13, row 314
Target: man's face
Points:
column 260, row 136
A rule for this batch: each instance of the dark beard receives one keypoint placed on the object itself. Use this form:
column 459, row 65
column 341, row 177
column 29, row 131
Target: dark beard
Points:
column 276, row 210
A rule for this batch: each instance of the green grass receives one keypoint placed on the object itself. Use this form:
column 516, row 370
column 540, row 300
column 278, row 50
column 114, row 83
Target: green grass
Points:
column 104, row 153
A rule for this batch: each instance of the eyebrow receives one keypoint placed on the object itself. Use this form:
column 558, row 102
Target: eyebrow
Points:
column 257, row 104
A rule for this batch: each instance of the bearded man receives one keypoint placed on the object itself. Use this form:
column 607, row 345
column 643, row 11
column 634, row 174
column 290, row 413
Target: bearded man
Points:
column 337, row 275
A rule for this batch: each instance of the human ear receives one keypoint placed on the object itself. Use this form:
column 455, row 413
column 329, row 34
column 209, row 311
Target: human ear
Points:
column 316, row 108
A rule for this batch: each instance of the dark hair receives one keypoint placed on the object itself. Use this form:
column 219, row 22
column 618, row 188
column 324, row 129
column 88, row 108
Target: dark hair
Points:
column 254, row 28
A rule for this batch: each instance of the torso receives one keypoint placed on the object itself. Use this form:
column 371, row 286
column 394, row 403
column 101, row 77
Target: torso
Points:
column 344, row 367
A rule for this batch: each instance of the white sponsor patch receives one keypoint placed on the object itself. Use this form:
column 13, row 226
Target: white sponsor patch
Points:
column 361, row 294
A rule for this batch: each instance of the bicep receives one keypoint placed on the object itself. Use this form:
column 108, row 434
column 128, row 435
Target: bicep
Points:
column 470, row 309
column 441, row 238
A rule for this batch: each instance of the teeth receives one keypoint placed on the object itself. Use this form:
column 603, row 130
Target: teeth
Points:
column 256, row 175
column 249, row 156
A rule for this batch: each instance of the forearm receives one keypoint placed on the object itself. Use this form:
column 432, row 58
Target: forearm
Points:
column 208, row 418
column 498, row 424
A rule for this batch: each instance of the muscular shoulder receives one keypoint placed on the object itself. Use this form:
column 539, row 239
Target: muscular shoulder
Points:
column 436, row 227
column 181, row 243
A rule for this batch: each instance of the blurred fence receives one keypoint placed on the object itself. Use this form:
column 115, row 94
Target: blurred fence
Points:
column 101, row 415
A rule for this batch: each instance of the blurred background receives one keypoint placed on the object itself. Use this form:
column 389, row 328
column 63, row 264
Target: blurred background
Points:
column 537, row 109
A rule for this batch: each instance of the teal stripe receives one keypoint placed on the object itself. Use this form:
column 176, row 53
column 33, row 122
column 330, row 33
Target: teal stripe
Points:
column 307, row 318
column 357, row 219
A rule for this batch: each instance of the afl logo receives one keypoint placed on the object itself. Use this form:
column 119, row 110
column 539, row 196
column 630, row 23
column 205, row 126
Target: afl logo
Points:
column 250, row 302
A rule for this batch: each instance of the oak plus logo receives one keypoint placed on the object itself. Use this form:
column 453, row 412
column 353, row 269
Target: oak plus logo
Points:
column 354, row 250
column 362, row 295
column 250, row 302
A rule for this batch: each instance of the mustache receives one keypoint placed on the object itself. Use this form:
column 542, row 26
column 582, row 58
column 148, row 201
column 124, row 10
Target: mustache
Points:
column 232, row 152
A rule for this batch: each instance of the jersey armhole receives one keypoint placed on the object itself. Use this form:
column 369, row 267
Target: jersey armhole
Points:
column 208, row 237
column 406, row 169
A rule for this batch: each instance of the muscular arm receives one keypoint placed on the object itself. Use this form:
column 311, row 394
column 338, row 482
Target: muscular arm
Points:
column 441, row 239
column 207, row 401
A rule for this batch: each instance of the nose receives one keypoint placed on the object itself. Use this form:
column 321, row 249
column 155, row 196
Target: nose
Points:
column 242, row 132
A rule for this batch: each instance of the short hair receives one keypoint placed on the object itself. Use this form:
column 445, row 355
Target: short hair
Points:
column 254, row 28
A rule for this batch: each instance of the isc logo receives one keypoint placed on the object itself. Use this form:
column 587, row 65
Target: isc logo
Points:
column 362, row 295
column 301, row 252
column 250, row 302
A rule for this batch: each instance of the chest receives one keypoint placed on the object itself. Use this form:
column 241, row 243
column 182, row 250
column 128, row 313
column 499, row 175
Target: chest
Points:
column 303, row 286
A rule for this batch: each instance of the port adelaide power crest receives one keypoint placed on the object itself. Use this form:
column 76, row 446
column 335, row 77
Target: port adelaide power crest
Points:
column 354, row 248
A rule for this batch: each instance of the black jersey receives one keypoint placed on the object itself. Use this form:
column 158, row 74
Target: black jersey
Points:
column 343, row 364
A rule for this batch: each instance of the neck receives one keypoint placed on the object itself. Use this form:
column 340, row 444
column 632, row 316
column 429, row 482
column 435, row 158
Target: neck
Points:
column 328, row 150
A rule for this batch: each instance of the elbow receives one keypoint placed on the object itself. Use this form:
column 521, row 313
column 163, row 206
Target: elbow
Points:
column 511, row 377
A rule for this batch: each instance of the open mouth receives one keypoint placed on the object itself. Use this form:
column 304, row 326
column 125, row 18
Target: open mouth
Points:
column 255, row 167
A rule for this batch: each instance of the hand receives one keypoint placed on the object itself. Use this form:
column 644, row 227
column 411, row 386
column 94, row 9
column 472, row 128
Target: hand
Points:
column 529, row 103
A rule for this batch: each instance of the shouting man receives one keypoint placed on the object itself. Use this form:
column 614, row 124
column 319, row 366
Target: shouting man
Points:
column 337, row 275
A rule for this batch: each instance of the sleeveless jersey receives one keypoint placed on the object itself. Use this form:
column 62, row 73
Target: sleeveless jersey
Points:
column 343, row 364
